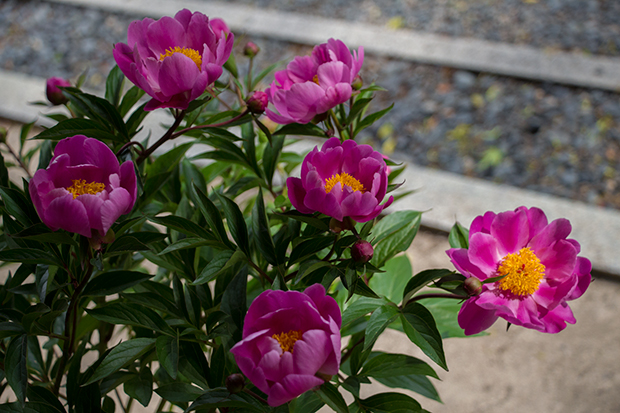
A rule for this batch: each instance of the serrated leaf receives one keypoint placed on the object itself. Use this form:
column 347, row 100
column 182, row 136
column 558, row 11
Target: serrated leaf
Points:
column 332, row 397
column 168, row 354
column 15, row 366
column 378, row 322
column 113, row 282
column 420, row 327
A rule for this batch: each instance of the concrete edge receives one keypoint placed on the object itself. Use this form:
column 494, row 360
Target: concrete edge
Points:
column 471, row 54
column 446, row 197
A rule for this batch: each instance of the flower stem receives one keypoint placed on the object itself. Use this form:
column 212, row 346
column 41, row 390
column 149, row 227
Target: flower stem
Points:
column 337, row 123
column 130, row 143
column 167, row 136
column 256, row 396
column 19, row 160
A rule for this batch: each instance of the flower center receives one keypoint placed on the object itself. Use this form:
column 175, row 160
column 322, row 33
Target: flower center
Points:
column 344, row 179
column 315, row 79
column 191, row 53
column 523, row 272
column 287, row 340
column 80, row 187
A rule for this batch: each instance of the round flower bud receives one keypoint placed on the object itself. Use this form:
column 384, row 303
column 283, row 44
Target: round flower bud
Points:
column 251, row 49
column 235, row 383
column 473, row 286
column 257, row 102
column 357, row 83
column 362, row 251
column 54, row 95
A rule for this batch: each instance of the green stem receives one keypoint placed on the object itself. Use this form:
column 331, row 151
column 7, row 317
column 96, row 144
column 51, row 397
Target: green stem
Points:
column 167, row 136
column 250, row 74
column 256, row 396
column 332, row 115
column 19, row 160
column 262, row 273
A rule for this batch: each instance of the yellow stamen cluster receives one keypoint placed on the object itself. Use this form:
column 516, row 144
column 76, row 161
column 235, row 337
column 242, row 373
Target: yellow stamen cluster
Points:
column 315, row 79
column 287, row 340
column 523, row 272
column 345, row 179
column 80, row 187
column 191, row 53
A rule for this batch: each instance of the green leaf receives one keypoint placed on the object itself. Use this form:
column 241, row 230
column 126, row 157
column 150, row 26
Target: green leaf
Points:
column 299, row 129
column 114, row 85
column 378, row 322
column 370, row 119
column 192, row 242
column 169, row 160
column 4, row 173
column 15, row 366
column 140, row 387
column 445, row 312
column 113, row 282
column 42, row 395
column 220, row 397
column 360, row 308
column 421, row 279
column 390, row 283
column 179, row 392
column 136, row 118
column 28, row 256
column 9, row 329
column 459, row 236
column 124, row 353
column 234, row 300
column 18, row 206
column 98, row 109
column 262, row 232
column 40, row 232
column 168, row 354
column 420, row 327
column 183, row 225
column 236, row 223
column 271, row 156
column 332, row 397
column 384, row 365
column 211, row 214
column 416, row 383
column 390, row 403
column 308, row 219
column 394, row 234
column 132, row 97
column 309, row 402
column 131, row 314
column 309, row 247
column 72, row 127
column 222, row 261
column 358, row 106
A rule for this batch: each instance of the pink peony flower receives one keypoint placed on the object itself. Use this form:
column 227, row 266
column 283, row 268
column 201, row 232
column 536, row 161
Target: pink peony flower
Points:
column 54, row 95
column 291, row 342
column 541, row 268
column 83, row 188
column 341, row 180
column 174, row 59
column 257, row 102
column 219, row 26
column 314, row 84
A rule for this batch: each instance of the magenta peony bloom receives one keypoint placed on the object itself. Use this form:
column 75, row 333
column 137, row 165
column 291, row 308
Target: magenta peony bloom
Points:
column 54, row 95
column 341, row 180
column 291, row 342
column 83, row 188
column 257, row 102
column 219, row 26
column 174, row 59
column 541, row 268
column 314, row 84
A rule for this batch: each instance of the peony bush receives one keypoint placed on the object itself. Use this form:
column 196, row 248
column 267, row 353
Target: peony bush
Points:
column 242, row 276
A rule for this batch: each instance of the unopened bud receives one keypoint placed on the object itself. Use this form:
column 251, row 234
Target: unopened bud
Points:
column 362, row 251
column 472, row 286
column 357, row 83
column 251, row 49
column 257, row 102
column 55, row 95
column 235, row 383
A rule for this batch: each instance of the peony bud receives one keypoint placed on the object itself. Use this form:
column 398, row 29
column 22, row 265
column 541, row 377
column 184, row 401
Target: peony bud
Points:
column 251, row 49
column 357, row 83
column 473, row 286
column 235, row 383
column 54, row 95
column 362, row 251
column 257, row 102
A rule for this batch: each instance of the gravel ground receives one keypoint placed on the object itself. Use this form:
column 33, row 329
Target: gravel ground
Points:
column 545, row 137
